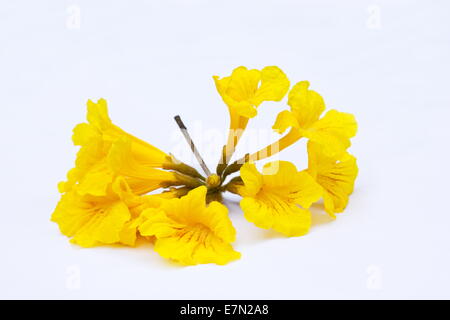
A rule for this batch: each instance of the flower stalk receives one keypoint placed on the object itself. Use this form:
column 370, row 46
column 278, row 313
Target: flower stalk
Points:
column 191, row 143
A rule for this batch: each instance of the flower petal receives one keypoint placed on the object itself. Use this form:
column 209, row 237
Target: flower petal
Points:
column 157, row 223
column 333, row 132
column 128, row 234
column 274, row 85
column 243, row 83
column 306, row 104
column 285, row 218
column 219, row 222
column 246, row 89
column 98, row 114
column 310, row 190
column 141, row 177
column 96, row 181
column 252, row 179
column 336, row 177
column 285, row 119
column 190, row 252
column 282, row 178
column 91, row 220
column 84, row 134
column 274, row 204
column 340, row 123
column 103, row 228
column 238, row 89
column 189, row 232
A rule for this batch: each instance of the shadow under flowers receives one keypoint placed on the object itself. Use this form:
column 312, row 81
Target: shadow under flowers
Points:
column 142, row 252
column 248, row 233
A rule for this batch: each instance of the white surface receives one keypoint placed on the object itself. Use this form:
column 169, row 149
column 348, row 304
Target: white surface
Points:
column 154, row 59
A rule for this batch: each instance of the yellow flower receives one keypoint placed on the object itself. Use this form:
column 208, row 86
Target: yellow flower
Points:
column 189, row 232
column 243, row 92
column 94, row 220
column 336, row 177
column 245, row 89
column 141, row 176
column 99, row 123
column 332, row 132
column 271, row 199
column 100, row 140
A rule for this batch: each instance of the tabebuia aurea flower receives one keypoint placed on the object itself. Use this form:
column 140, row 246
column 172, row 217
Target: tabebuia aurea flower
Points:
column 279, row 197
column 122, row 187
column 335, row 176
column 189, row 231
column 243, row 92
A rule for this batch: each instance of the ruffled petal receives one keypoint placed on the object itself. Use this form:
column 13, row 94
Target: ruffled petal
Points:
column 155, row 222
column 333, row 132
column 278, row 215
column 128, row 234
column 98, row 114
column 84, row 134
column 246, row 89
column 278, row 174
column 282, row 178
column 190, row 233
column 253, row 180
column 306, row 104
column 96, row 181
column 187, row 251
column 285, row 119
column 309, row 190
column 243, row 83
column 216, row 216
column 238, row 89
column 336, row 177
column 91, row 220
column 141, row 177
column 339, row 183
column 70, row 214
column 339, row 123
column 275, row 204
column 104, row 227
column 274, row 85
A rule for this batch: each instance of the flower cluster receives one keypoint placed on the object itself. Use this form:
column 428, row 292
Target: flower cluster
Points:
column 122, row 187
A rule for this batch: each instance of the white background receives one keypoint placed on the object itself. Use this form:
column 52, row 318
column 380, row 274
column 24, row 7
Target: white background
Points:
column 384, row 61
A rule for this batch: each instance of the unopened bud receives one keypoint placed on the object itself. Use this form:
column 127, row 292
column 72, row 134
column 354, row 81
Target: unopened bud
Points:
column 213, row 181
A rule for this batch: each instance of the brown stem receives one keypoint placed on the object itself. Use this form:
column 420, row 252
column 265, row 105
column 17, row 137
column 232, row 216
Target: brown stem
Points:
column 192, row 145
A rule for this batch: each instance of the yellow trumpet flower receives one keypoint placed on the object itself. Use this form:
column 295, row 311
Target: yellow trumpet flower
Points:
column 243, row 92
column 332, row 132
column 95, row 220
column 336, row 177
column 101, row 140
column 189, row 232
column 271, row 199
column 140, row 175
